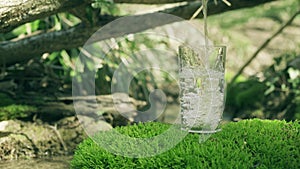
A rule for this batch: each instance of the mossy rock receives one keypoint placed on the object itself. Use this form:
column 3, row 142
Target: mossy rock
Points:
column 245, row 144
column 16, row 111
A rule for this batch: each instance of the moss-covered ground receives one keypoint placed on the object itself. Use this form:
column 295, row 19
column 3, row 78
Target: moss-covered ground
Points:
column 245, row 144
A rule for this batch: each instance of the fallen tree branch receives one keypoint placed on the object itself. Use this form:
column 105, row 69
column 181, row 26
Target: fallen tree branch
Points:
column 25, row 49
column 263, row 46
column 15, row 13
column 58, row 135
column 22, row 50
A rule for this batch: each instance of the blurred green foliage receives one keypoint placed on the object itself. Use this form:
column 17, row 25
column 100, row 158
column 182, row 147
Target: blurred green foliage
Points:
column 283, row 81
column 5, row 100
column 126, row 57
column 275, row 97
column 106, row 6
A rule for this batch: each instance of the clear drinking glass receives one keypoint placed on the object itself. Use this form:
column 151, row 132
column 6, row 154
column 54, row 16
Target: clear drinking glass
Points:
column 201, row 78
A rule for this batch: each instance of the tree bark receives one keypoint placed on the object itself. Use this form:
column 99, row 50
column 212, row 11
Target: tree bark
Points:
column 24, row 49
column 17, row 12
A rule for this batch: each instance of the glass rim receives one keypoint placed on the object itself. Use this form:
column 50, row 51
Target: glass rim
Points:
column 214, row 46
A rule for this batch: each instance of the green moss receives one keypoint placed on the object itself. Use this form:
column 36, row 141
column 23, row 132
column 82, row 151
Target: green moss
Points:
column 245, row 144
column 16, row 111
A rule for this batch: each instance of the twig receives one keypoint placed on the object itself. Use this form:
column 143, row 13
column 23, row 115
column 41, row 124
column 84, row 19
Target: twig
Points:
column 35, row 148
column 263, row 46
column 227, row 2
column 201, row 8
column 54, row 128
column 197, row 12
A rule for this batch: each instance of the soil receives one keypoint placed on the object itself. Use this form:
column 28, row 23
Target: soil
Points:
column 45, row 137
column 23, row 140
column 59, row 162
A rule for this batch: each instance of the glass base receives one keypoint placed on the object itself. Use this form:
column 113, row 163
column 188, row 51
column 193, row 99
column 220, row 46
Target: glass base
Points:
column 204, row 131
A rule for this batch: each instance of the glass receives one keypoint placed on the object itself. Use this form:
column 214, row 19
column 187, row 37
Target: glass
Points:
column 202, row 84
